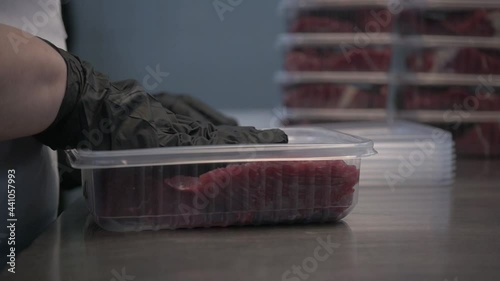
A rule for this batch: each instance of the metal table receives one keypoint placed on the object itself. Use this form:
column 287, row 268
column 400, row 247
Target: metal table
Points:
column 439, row 233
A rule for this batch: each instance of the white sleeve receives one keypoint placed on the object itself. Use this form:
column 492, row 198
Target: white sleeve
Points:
column 41, row 18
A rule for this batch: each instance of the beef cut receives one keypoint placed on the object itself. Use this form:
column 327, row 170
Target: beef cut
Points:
column 445, row 98
column 310, row 24
column 335, row 96
column 455, row 60
column 338, row 59
column 237, row 194
column 478, row 22
column 342, row 21
column 475, row 139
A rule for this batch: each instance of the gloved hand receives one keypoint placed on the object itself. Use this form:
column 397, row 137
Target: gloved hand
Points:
column 194, row 108
column 101, row 115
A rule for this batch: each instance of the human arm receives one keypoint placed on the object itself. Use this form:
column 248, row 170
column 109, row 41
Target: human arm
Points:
column 32, row 84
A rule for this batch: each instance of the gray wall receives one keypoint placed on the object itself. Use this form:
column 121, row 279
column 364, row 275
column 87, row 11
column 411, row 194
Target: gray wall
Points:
column 229, row 63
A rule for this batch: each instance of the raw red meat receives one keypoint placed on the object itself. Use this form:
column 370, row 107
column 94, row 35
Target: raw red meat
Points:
column 449, row 60
column 346, row 21
column 476, row 139
column 375, row 21
column 310, row 24
column 444, row 98
column 353, row 59
column 335, row 96
column 239, row 194
column 463, row 23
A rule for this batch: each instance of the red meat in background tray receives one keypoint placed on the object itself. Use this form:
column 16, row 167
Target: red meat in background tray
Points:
column 374, row 21
column 452, row 60
column 363, row 59
column 462, row 23
column 311, row 24
column 480, row 140
column 335, row 96
column 444, row 98
column 475, row 139
column 252, row 193
column 343, row 21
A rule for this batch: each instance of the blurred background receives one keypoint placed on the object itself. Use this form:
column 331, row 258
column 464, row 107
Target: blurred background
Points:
column 228, row 60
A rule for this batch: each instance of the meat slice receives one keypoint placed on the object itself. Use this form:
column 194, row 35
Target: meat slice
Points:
column 238, row 194
column 335, row 96
column 478, row 22
column 311, row 24
column 343, row 58
column 342, row 21
column 450, row 60
column 475, row 139
column 450, row 98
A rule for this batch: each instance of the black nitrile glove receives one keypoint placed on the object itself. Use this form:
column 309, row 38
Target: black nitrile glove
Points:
column 101, row 115
column 194, row 108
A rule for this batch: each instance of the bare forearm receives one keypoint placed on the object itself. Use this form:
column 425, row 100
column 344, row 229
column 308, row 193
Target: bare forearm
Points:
column 32, row 84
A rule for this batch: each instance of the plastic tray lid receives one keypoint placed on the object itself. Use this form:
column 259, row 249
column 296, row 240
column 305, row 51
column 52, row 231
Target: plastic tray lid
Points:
column 397, row 131
column 393, row 5
column 450, row 79
column 327, row 114
column 304, row 144
column 363, row 40
column 428, row 41
column 286, row 5
column 432, row 116
column 338, row 77
column 345, row 40
column 450, row 4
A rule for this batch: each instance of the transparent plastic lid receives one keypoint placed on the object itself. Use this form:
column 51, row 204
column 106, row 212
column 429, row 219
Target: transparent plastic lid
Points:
column 304, row 144
column 382, row 78
column 428, row 41
column 382, row 131
column 449, row 79
column 442, row 116
column 432, row 116
column 311, row 4
column 288, row 40
column 327, row 114
column 365, row 40
column 449, row 4
column 291, row 78
column 393, row 5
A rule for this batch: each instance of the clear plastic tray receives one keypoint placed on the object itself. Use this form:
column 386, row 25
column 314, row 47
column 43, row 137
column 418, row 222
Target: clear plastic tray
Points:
column 314, row 178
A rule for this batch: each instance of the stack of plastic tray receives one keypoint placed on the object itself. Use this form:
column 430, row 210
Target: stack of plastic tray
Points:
column 451, row 61
column 408, row 153
column 337, row 56
column 434, row 61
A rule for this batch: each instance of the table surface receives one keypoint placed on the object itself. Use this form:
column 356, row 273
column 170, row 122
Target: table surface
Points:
column 406, row 233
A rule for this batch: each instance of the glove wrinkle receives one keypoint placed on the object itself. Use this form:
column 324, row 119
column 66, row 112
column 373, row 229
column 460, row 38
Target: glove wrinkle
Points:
column 137, row 119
